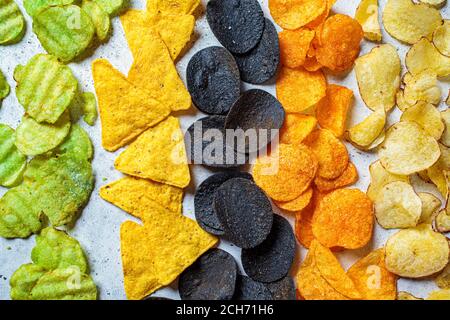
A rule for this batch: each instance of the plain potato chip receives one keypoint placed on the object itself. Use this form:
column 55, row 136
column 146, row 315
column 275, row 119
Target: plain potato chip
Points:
column 381, row 177
column 158, row 154
column 99, row 17
column 427, row 116
column 299, row 89
column 297, row 204
column 378, row 75
column 434, row 3
column 403, row 295
column 293, row 14
column 23, row 280
column 367, row 131
column 445, row 139
column 422, row 87
column 330, row 152
column 12, row 161
column 344, row 218
column 4, row 87
column 439, row 173
column 443, row 294
column 408, row 22
column 12, row 24
column 430, row 205
column 332, row 110
column 441, row 38
column 397, row 206
column 348, row 177
column 125, row 110
column 372, row 279
column 423, row 55
column 296, row 128
column 416, row 252
column 175, row 7
column 443, row 279
column 442, row 221
column 294, row 45
column 138, row 196
column 408, row 149
column 367, row 15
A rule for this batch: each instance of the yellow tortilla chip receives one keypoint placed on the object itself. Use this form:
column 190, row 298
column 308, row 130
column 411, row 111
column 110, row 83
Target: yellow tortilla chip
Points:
column 158, row 154
column 173, row 6
column 175, row 30
column 156, row 253
column 137, row 196
column 125, row 111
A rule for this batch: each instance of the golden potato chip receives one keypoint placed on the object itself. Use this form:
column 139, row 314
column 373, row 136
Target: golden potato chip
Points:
column 294, row 45
column 321, row 19
column 154, row 71
column 422, row 87
column 434, row 3
column 367, row 131
column 403, row 295
column 156, row 253
column 441, row 38
column 430, row 205
column 125, row 111
column 303, row 220
column 158, row 154
column 296, row 128
column 344, row 218
column 340, row 38
column 443, row 279
column 381, row 177
column 445, row 139
column 372, row 279
column 331, row 153
column 367, row 15
column 442, row 221
column 176, row 7
column 408, row 22
column 348, row 177
column 285, row 173
column 427, row 116
column 175, row 30
column 443, row 294
column 332, row 110
column 401, row 102
column 293, row 14
column 439, row 172
column 408, row 149
column 423, row 55
column 298, row 89
column 378, row 75
column 138, row 196
column 416, row 252
column 397, row 206
column 298, row 203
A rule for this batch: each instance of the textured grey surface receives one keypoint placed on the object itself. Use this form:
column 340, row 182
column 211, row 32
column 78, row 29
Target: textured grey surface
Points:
column 98, row 227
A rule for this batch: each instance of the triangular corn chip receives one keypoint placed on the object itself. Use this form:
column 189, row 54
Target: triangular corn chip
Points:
column 173, row 6
column 125, row 111
column 158, row 154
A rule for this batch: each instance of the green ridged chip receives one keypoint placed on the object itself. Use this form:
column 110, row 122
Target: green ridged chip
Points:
column 23, row 281
column 12, row 161
column 4, row 87
column 45, row 87
column 12, row 23
column 77, row 145
column 112, row 7
column 34, row 6
column 99, row 17
column 64, row 31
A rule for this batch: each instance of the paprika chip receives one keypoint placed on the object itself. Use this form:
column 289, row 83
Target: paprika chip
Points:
column 296, row 128
column 303, row 220
column 294, row 45
column 298, row 203
column 348, row 177
column 293, row 14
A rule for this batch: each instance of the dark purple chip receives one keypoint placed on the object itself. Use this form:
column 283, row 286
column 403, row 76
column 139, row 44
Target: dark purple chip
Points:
column 283, row 289
column 211, row 277
column 244, row 211
column 248, row 289
column 237, row 24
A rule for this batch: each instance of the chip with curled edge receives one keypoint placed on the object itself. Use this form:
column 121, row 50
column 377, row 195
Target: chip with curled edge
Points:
column 427, row 116
column 13, row 162
column 423, row 55
column 367, row 16
column 381, row 177
column 367, row 131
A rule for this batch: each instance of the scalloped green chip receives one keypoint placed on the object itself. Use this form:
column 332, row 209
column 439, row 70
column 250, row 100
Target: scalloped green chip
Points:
column 12, row 161
column 12, row 23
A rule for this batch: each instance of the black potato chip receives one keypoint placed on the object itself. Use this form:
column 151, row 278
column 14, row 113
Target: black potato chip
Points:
column 248, row 289
column 211, row 277
column 255, row 111
column 237, row 24
column 261, row 63
column 283, row 289
column 271, row 260
column 213, row 80
column 244, row 211
column 204, row 197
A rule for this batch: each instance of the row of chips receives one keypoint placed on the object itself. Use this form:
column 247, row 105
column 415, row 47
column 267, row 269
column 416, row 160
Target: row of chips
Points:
column 12, row 23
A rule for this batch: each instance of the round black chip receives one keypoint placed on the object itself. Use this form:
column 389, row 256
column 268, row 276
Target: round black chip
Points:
column 213, row 80
column 211, row 277
column 244, row 211
column 257, row 112
column 157, row 299
column 261, row 63
column 206, row 144
column 204, row 197
column 283, row 289
column 271, row 260
column 237, row 24
column 248, row 289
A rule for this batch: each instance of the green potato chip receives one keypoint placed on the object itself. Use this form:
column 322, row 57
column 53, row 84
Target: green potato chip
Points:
column 19, row 215
column 33, row 6
column 112, row 7
column 77, row 144
column 12, row 161
column 23, row 280
column 34, row 138
column 64, row 31
column 45, row 87
column 4, row 86
column 89, row 107
column 12, row 23
column 99, row 17
column 55, row 249
column 65, row 284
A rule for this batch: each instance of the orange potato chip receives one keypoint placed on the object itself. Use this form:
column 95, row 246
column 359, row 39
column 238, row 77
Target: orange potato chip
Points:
column 299, row 89
column 330, row 152
column 286, row 172
column 303, row 220
column 125, row 110
column 311, row 64
column 339, row 43
column 344, row 218
column 296, row 128
column 372, row 279
column 298, row 203
column 294, row 46
column 332, row 110
column 348, row 177
column 293, row 14
column 321, row 19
